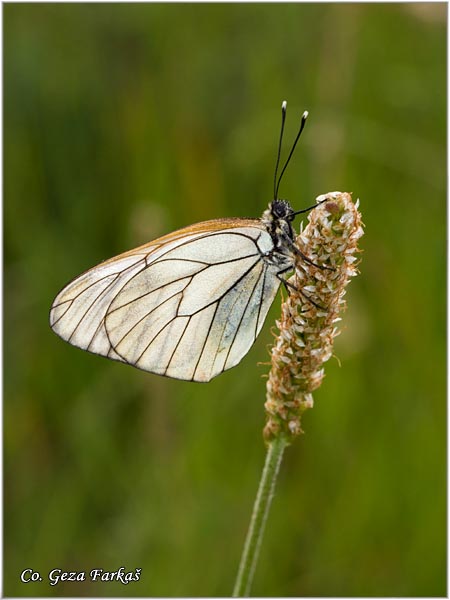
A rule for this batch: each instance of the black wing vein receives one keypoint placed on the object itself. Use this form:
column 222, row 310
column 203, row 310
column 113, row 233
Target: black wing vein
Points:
column 240, row 320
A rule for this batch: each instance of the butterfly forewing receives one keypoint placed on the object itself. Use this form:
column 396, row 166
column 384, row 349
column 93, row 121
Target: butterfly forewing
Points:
column 188, row 305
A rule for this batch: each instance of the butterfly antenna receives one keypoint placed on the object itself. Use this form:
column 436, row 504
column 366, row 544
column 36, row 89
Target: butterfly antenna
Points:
column 302, row 124
column 283, row 118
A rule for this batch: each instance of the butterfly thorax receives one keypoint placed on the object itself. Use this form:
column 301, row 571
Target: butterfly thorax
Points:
column 277, row 219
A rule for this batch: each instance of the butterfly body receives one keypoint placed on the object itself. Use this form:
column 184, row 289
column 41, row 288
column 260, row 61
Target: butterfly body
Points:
column 190, row 304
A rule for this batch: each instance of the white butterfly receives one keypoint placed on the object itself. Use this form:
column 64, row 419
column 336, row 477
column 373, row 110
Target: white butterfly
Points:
column 190, row 304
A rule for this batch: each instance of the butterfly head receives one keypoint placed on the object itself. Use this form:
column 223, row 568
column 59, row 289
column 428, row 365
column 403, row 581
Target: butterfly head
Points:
column 277, row 219
column 276, row 212
column 281, row 209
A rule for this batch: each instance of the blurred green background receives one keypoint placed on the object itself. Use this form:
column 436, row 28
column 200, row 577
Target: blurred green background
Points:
column 124, row 122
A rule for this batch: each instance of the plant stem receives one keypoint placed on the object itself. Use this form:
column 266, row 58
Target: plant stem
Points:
column 261, row 508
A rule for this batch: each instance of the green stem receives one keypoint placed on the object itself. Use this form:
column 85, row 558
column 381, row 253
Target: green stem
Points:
column 261, row 508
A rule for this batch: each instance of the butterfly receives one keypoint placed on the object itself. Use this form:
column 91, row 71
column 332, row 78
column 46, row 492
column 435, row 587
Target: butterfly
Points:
column 190, row 304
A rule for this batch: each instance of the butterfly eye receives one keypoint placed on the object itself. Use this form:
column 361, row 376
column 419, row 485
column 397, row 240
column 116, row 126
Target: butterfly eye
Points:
column 277, row 209
column 281, row 209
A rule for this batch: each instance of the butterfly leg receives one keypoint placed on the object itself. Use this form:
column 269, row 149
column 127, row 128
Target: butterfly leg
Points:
column 290, row 286
column 309, row 261
column 291, row 245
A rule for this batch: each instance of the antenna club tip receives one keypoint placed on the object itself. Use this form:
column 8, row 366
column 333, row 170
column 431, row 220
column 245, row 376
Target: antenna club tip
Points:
column 305, row 115
column 284, row 105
